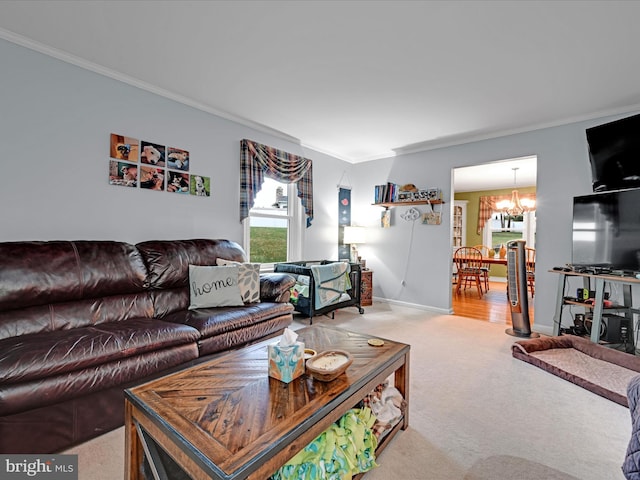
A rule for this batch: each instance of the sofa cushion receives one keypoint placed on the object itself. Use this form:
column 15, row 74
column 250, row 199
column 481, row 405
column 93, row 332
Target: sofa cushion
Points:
column 81, row 313
column 20, row 397
column 168, row 260
column 248, row 279
column 40, row 273
column 242, row 336
column 213, row 287
column 275, row 287
column 30, row 357
column 217, row 321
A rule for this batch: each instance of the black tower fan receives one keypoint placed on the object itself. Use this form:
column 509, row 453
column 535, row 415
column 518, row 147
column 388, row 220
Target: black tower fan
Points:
column 517, row 290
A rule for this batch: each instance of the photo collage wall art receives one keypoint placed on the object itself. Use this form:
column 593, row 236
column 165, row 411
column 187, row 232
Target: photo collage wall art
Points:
column 150, row 166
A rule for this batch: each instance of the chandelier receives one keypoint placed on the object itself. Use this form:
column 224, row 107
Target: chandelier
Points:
column 516, row 206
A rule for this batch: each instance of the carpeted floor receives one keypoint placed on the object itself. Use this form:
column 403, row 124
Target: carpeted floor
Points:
column 476, row 413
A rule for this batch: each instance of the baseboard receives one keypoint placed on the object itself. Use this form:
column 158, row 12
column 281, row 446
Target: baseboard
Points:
column 442, row 311
column 543, row 329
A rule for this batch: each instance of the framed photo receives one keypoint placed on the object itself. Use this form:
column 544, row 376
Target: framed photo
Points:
column 124, row 148
column 200, row 186
column 124, row 174
column 178, row 159
column 178, row 182
column 151, row 178
column 153, row 154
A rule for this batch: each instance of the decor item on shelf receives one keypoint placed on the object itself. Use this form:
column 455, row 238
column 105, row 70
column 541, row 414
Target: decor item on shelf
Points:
column 353, row 236
column 503, row 251
column 390, row 193
column 407, row 192
column 516, row 206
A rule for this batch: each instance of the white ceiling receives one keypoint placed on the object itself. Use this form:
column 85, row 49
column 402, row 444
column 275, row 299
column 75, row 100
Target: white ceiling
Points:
column 496, row 175
column 357, row 79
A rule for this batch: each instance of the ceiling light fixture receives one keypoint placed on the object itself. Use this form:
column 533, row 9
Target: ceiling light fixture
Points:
column 516, row 206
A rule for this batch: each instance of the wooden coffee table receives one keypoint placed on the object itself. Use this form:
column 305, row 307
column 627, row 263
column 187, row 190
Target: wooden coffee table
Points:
column 227, row 419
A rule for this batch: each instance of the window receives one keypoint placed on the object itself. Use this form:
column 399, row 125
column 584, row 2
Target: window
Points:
column 274, row 227
column 503, row 228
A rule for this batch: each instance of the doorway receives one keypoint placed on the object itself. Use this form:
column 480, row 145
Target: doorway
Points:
column 497, row 179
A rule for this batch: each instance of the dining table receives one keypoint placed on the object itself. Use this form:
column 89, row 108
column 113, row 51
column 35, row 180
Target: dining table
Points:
column 490, row 260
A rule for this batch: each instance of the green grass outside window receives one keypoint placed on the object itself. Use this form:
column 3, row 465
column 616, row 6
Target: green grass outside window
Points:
column 268, row 244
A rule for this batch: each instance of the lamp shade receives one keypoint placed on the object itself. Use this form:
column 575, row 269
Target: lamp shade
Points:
column 355, row 235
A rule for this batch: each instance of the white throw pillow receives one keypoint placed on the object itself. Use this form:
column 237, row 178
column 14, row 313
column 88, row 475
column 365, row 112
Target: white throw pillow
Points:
column 214, row 287
column 248, row 279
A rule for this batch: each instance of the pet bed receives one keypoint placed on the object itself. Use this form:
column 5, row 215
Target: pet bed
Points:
column 599, row 369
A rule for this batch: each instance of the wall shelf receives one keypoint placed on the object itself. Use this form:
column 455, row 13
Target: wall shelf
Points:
column 405, row 204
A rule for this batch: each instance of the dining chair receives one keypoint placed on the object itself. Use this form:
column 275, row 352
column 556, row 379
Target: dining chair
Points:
column 486, row 253
column 530, row 262
column 468, row 262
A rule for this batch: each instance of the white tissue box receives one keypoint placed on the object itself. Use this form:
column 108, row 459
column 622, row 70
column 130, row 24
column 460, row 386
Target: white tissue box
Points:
column 286, row 363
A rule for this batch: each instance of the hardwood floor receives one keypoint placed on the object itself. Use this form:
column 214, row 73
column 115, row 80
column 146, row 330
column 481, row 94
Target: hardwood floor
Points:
column 492, row 307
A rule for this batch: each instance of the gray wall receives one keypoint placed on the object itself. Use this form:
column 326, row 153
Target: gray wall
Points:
column 563, row 172
column 55, row 127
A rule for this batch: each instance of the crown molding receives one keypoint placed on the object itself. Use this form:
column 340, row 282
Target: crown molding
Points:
column 107, row 72
column 464, row 139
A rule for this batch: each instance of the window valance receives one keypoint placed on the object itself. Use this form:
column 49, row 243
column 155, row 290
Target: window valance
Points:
column 488, row 206
column 257, row 160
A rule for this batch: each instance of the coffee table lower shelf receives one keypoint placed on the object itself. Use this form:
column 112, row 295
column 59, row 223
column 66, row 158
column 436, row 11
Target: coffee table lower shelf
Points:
column 160, row 465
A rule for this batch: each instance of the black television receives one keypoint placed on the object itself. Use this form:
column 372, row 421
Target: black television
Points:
column 614, row 154
column 606, row 230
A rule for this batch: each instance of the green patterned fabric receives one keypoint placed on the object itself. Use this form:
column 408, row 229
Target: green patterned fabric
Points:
column 343, row 450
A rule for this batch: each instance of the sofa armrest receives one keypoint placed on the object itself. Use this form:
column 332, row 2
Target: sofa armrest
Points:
column 276, row 287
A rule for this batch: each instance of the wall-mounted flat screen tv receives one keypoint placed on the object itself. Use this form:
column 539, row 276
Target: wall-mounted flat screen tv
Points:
column 606, row 230
column 614, row 154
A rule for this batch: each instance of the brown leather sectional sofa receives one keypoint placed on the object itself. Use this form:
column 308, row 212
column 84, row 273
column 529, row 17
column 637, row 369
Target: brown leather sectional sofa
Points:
column 81, row 321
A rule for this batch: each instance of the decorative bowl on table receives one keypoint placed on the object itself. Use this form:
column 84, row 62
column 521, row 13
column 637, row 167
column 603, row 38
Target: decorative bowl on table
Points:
column 329, row 365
